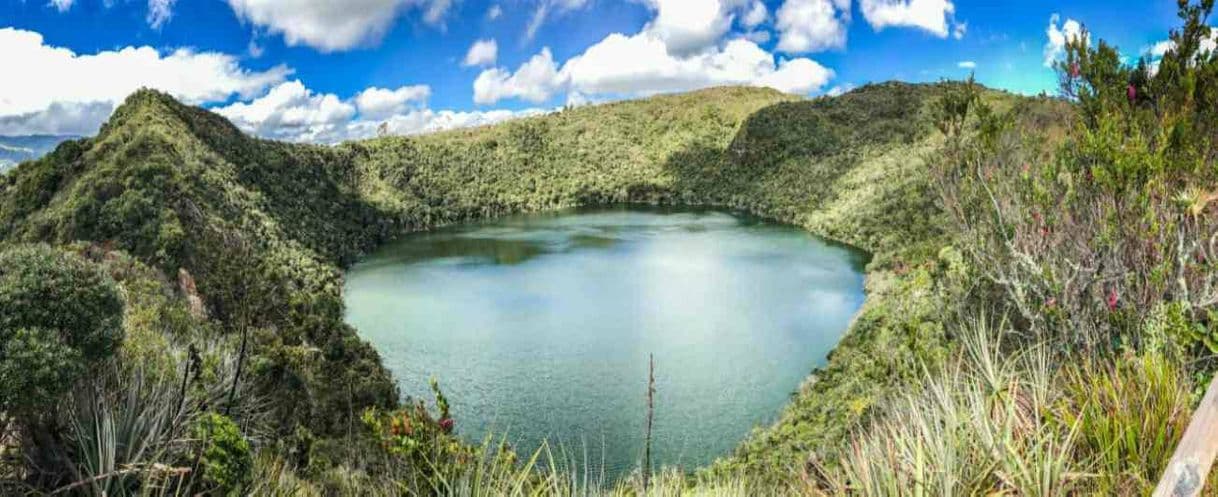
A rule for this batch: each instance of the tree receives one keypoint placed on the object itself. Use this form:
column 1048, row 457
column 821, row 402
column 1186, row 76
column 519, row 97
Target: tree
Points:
column 58, row 314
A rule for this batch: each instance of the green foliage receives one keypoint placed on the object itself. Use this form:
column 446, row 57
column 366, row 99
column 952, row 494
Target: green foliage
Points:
column 226, row 463
column 1129, row 416
column 265, row 229
column 37, row 368
column 58, row 315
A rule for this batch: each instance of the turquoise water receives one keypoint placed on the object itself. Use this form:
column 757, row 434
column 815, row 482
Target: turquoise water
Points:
column 539, row 326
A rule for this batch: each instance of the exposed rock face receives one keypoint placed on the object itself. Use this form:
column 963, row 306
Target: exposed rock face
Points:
column 186, row 284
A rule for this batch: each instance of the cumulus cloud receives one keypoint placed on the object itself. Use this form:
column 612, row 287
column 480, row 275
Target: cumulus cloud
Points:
column 56, row 76
column 291, row 111
column 59, row 118
column 425, row 120
column 690, row 25
column 756, row 15
column 1208, row 44
column 812, row 25
column 929, row 15
column 1059, row 35
column 535, row 81
column 482, row 53
column 641, row 64
column 333, row 26
column 378, row 103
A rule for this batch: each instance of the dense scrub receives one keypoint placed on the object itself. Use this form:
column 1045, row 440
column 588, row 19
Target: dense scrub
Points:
column 228, row 252
column 253, row 234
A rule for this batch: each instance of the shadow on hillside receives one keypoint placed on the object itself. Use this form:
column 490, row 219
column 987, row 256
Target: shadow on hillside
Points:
column 785, row 160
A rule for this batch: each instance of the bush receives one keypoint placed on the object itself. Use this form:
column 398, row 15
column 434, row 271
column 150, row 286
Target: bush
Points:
column 58, row 313
column 226, row 463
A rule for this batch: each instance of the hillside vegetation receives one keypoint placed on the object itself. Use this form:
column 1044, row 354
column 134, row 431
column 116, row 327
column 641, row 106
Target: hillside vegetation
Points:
column 1040, row 293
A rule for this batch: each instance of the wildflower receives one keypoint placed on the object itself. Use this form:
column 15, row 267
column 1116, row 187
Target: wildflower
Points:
column 1051, row 303
column 1074, row 70
column 1112, row 299
column 1132, row 93
column 446, row 425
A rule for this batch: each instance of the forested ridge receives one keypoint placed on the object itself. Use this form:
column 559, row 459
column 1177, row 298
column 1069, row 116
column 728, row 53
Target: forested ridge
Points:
column 197, row 273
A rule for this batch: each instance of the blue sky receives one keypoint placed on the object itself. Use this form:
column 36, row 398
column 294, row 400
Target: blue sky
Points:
column 322, row 70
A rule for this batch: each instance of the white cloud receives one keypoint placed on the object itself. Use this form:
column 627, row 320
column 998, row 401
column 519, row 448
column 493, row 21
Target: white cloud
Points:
column 547, row 8
column 929, row 15
column 1208, row 44
column 159, row 12
column 482, row 53
column 332, row 26
column 812, row 25
column 641, row 64
column 81, row 84
column 690, row 25
column 535, row 22
column 839, row 89
column 60, row 118
column 427, row 120
column 1158, row 50
column 290, row 111
column 967, row 64
column 379, row 103
column 959, row 30
column 1068, row 31
column 800, row 76
column 494, row 12
column 535, row 81
column 756, row 14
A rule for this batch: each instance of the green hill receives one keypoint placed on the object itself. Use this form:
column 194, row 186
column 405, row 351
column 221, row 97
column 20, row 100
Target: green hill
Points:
column 264, row 228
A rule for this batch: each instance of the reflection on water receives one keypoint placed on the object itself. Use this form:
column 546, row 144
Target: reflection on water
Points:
column 540, row 326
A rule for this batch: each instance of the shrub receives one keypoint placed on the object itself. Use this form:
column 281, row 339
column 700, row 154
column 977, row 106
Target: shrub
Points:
column 226, row 463
column 58, row 313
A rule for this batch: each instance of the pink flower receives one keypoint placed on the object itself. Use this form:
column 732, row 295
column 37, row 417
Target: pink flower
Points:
column 1112, row 299
column 1074, row 70
column 1132, row 93
column 1051, row 303
column 446, row 425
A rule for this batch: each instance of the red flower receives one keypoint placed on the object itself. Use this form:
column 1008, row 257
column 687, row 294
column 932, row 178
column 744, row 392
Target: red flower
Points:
column 446, row 425
column 1074, row 70
column 1112, row 299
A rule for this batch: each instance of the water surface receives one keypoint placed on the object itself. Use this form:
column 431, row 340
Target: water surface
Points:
column 540, row 326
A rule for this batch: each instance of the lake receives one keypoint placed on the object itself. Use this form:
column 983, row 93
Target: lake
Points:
column 540, row 326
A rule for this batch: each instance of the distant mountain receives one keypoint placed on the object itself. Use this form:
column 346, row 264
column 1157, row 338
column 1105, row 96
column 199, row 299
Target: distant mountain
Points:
column 17, row 149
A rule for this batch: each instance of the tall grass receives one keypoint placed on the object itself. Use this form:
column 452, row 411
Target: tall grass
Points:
column 547, row 471
column 1023, row 420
